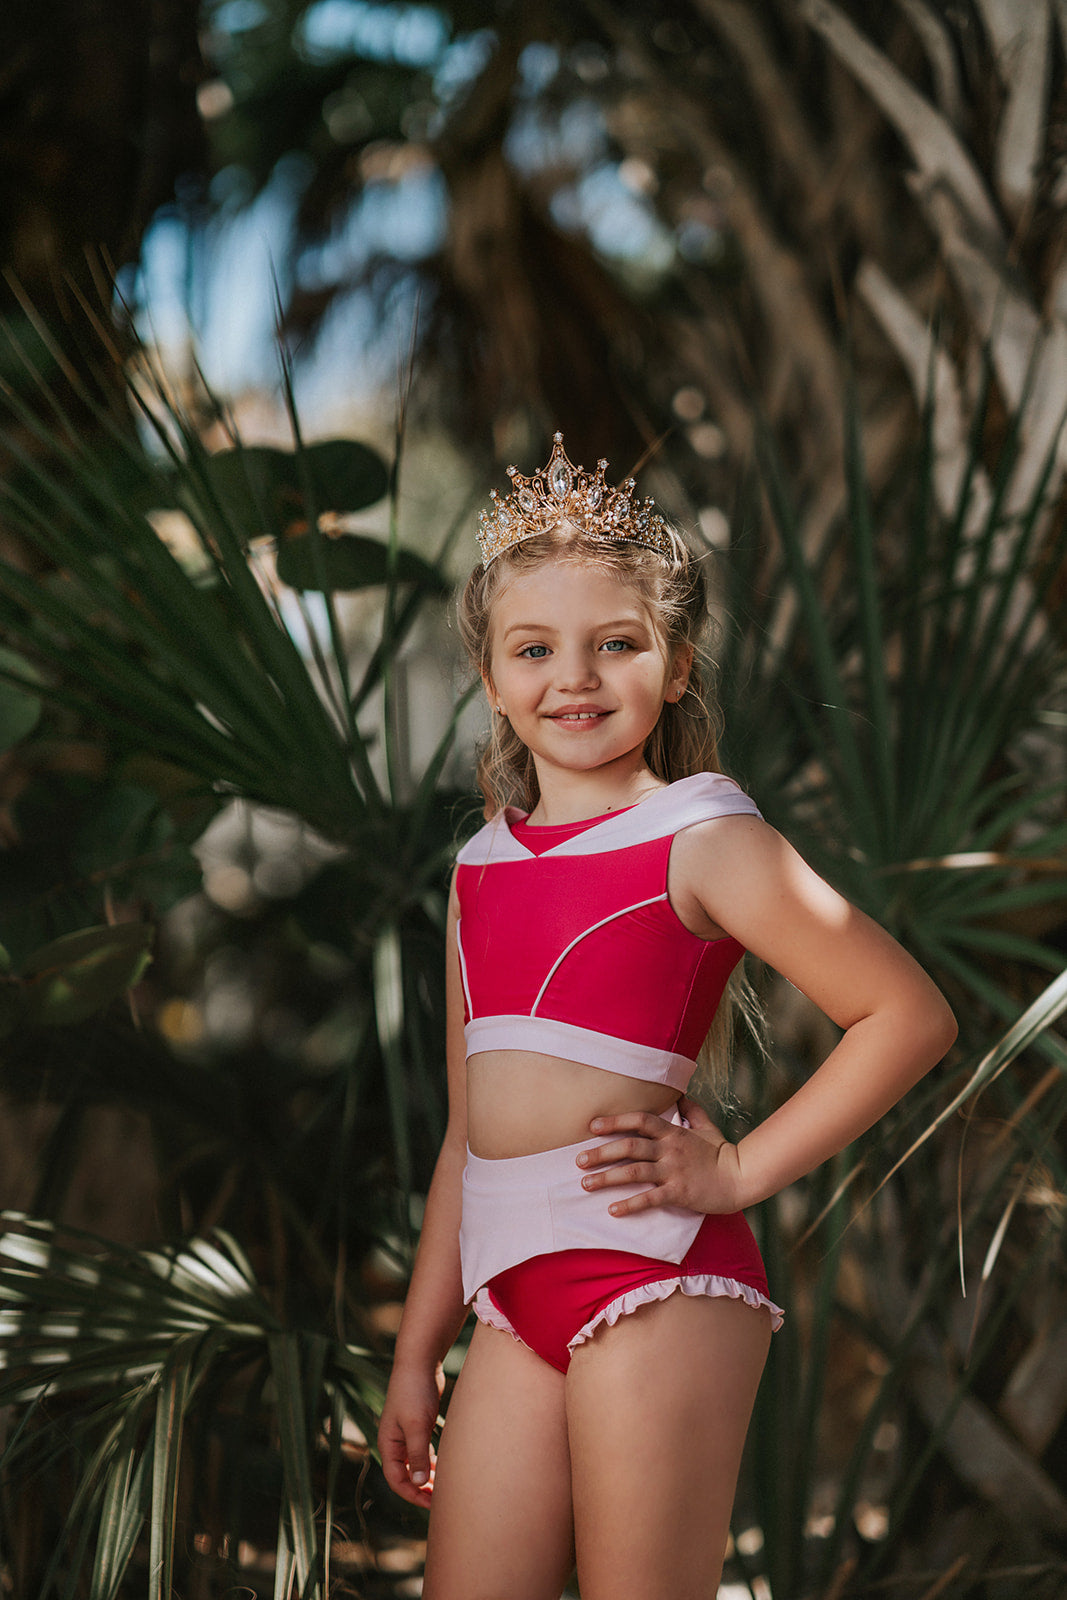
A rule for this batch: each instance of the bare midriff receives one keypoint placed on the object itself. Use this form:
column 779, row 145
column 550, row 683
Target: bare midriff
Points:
column 519, row 1102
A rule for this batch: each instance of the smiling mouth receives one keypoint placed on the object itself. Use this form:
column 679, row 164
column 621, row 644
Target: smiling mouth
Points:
column 576, row 716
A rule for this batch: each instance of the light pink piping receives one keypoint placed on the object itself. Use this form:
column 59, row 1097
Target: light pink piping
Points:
column 463, row 965
column 638, row 905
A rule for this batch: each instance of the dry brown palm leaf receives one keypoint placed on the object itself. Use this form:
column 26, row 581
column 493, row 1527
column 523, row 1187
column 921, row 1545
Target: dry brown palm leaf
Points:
column 1021, row 35
column 982, row 1452
column 1030, row 359
column 912, row 338
column 940, row 53
column 1034, row 1403
column 936, row 149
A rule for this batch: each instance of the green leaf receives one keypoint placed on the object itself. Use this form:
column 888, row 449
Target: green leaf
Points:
column 347, row 475
column 12, row 1006
column 210, row 676
column 1038, row 1016
column 298, row 1508
column 171, row 1403
column 262, row 489
column 284, row 1564
column 73, row 977
column 256, row 487
column 123, row 1513
column 26, row 353
column 20, row 708
column 351, row 561
column 388, row 970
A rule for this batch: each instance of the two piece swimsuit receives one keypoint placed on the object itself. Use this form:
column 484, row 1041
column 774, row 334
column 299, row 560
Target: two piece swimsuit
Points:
column 569, row 947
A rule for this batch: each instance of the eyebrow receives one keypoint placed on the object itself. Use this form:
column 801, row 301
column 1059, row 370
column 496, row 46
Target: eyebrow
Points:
column 549, row 627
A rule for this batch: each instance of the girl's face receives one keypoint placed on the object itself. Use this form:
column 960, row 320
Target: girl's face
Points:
column 579, row 669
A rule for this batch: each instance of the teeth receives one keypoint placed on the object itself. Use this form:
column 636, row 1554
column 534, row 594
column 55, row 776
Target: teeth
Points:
column 578, row 716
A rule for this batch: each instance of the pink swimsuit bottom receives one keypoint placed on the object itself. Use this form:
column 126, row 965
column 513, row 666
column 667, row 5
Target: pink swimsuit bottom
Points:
column 553, row 1303
column 544, row 1259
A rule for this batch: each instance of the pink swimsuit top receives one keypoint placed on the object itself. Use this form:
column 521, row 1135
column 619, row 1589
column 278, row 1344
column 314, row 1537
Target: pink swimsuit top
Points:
column 569, row 946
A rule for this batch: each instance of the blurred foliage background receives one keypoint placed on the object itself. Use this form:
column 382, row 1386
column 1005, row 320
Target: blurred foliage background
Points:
column 808, row 259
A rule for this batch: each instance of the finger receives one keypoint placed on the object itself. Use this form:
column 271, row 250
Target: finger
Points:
column 695, row 1114
column 627, row 1172
column 647, row 1200
column 401, row 1485
column 395, row 1468
column 419, row 1469
column 408, row 1493
column 394, row 1463
column 642, row 1122
column 408, row 1474
column 634, row 1149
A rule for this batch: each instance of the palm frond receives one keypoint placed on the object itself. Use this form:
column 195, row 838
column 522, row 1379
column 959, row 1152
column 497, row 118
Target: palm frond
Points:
column 108, row 1351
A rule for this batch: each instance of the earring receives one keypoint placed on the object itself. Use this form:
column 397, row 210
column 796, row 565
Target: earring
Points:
column 499, row 711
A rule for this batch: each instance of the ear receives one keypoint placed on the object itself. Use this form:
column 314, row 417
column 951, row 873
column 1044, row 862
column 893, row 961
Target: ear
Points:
column 490, row 692
column 679, row 674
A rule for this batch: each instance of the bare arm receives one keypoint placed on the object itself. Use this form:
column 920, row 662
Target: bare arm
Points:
column 742, row 876
column 433, row 1309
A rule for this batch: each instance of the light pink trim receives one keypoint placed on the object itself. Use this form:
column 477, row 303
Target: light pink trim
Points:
column 624, row 911
column 516, row 1207
column 680, row 805
column 545, row 1036
column 666, row 811
column 697, row 1284
column 493, row 842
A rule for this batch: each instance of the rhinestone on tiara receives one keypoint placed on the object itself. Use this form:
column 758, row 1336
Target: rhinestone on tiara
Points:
column 562, row 492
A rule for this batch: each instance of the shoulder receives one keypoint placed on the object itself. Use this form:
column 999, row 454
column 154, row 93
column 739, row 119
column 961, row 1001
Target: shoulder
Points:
column 746, row 878
column 719, row 826
column 728, row 834
column 703, row 797
column 714, row 862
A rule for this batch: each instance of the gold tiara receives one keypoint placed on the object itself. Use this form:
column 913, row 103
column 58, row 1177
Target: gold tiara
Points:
column 562, row 492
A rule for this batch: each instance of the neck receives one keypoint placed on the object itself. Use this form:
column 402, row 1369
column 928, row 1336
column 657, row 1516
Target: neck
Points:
column 576, row 796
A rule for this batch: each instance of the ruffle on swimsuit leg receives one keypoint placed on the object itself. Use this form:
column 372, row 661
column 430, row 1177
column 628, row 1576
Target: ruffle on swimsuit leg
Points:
column 486, row 1311
column 711, row 1285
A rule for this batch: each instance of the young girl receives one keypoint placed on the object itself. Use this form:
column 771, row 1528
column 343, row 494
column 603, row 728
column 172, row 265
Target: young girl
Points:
column 591, row 1212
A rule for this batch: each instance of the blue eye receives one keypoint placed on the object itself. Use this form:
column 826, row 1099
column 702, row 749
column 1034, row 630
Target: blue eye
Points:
column 616, row 645
column 529, row 650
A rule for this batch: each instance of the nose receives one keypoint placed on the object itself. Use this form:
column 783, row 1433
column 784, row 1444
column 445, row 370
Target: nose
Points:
column 576, row 669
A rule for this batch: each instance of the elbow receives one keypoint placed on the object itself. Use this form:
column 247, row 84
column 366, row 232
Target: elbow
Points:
column 951, row 1033
column 942, row 1029
column 925, row 1029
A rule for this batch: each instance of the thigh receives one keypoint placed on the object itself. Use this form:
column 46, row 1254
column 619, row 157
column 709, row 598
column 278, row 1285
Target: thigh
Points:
column 657, row 1408
column 500, row 1514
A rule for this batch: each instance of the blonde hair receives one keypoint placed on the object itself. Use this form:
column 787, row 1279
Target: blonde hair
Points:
column 685, row 738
